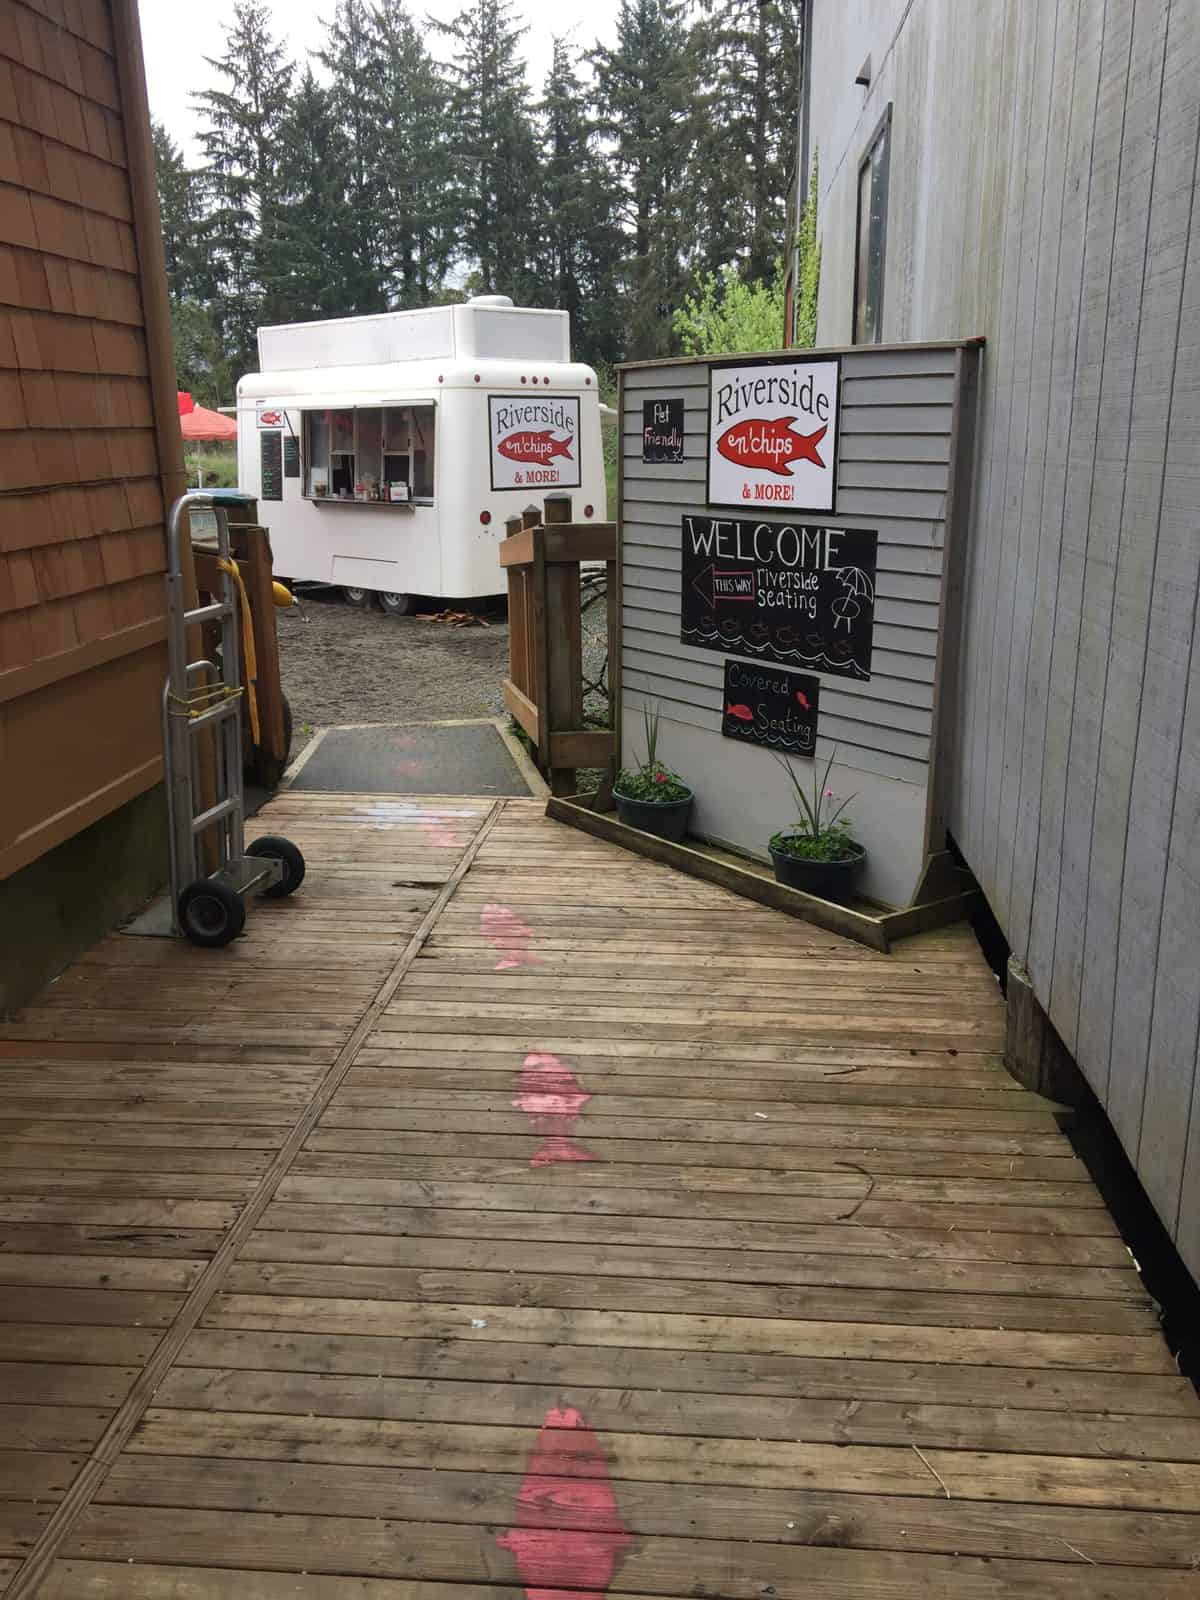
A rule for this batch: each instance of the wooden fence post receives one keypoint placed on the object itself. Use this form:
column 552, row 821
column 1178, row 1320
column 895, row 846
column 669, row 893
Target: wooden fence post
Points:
column 564, row 641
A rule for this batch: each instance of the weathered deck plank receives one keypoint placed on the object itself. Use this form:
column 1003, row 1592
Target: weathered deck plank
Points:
column 493, row 1150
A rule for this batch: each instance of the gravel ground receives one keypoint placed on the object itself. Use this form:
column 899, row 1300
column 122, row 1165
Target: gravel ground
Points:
column 345, row 665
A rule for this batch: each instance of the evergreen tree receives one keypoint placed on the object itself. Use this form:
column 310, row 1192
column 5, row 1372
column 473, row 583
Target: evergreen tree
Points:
column 583, row 242
column 495, row 149
column 352, row 61
column 747, row 63
column 415, row 166
column 311, row 261
column 179, row 208
column 644, row 99
column 241, row 142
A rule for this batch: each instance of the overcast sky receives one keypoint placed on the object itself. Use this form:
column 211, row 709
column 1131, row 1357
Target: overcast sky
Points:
column 175, row 48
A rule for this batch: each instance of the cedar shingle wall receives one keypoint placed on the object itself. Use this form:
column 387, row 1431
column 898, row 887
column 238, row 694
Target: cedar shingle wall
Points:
column 81, row 510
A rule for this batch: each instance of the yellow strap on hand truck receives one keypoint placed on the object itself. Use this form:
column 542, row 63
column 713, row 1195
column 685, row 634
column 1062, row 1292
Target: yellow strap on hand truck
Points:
column 231, row 567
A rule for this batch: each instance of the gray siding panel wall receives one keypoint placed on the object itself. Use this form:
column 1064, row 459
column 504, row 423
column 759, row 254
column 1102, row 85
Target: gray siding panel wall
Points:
column 893, row 469
column 1044, row 197
column 895, row 444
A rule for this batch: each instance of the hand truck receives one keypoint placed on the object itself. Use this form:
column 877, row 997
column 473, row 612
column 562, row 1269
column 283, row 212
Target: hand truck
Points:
column 209, row 908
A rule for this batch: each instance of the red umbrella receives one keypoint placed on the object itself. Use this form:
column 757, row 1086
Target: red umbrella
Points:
column 200, row 423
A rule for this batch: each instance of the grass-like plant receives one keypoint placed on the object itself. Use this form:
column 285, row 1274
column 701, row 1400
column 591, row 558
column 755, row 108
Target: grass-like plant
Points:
column 821, row 831
column 651, row 780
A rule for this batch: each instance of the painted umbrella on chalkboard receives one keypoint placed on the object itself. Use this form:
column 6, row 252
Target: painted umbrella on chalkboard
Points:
column 858, row 586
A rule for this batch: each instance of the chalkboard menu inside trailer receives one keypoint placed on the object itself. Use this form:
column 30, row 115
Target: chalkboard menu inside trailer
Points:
column 662, row 431
column 271, row 459
column 788, row 592
column 770, row 706
column 291, row 456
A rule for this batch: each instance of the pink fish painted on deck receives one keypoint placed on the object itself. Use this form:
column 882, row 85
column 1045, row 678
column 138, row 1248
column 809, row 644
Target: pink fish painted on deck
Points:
column 440, row 835
column 568, row 1532
column 552, row 1098
column 503, row 928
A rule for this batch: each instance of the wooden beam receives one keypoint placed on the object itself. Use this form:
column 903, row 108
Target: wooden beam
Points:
column 851, row 924
column 522, row 708
column 580, row 747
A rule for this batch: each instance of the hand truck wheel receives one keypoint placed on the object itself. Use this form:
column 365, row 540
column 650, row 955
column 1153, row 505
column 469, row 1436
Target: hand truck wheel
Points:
column 277, row 849
column 211, row 913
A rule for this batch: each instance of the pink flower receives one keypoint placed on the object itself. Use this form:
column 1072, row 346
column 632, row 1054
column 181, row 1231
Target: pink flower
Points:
column 660, row 777
column 829, row 794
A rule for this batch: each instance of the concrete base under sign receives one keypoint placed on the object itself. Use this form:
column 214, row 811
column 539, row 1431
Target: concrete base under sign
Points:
column 743, row 797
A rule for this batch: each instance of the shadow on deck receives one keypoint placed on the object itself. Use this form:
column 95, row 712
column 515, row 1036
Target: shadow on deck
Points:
column 506, row 1214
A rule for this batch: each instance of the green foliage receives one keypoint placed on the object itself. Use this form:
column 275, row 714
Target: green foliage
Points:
column 651, row 780
column 644, row 98
column 746, row 66
column 309, row 264
column 242, row 143
column 821, row 832
column 808, row 280
column 729, row 315
column 494, row 148
column 579, row 202
column 200, row 365
column 645, row 192
column 418, row 229
column 217, row 463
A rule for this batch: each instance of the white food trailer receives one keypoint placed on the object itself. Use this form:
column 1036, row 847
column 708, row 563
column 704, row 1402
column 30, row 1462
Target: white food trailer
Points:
column 385, row 452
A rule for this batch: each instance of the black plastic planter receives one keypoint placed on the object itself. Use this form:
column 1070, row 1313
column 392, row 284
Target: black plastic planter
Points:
column 666, row 819
column 830, row 880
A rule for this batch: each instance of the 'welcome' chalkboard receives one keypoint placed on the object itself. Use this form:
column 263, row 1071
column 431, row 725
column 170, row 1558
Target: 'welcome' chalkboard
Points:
column 270, row 447
column 662, row 431
column 786, row 592
column 771, row 706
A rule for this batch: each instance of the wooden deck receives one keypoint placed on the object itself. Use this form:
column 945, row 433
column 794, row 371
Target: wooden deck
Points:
column 506, row 1215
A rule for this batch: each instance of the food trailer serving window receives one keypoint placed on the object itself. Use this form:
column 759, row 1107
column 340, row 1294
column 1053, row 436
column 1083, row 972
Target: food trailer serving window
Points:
column 377, row 453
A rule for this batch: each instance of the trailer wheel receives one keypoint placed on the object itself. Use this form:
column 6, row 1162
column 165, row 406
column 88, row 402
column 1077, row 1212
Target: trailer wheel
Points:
column 277, row 849
column 360, row 599
column 211, row 913
column 397, row 605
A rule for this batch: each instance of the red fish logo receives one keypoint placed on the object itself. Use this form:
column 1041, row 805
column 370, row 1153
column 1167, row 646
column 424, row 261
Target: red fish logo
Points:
column 742, row 713
column 552, row 1098
column 540, row 447
column 270, row 419
column 511, row 936
column 770, row 446
column 568, row 1534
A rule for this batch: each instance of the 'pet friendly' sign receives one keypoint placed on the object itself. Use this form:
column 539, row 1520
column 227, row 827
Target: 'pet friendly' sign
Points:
column 773, row 434
column 534, row 443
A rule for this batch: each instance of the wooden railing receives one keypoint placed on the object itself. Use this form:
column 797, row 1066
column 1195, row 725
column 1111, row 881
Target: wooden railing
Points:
column 542, row 556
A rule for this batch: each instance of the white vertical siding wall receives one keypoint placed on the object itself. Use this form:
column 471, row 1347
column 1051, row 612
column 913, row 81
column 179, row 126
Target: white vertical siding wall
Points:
column 1043, row 181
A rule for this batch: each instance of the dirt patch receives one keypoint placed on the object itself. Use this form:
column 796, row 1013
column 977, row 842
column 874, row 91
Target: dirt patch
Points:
column 345, row 665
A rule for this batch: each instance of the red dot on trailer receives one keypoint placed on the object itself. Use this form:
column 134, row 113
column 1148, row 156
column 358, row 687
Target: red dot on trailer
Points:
column 485, row 517
column 440, row 378
column 524, row 379
column 588, row 381
column 587, row 510
column 476, row 377
column 545, row 380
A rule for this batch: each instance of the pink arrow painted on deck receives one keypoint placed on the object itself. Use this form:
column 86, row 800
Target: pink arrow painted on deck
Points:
column 552, row 1098
column 566, row 1486
column 503, row 928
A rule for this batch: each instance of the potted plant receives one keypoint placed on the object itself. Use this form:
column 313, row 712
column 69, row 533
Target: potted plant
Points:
column 650, row 796
column 816, row 853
